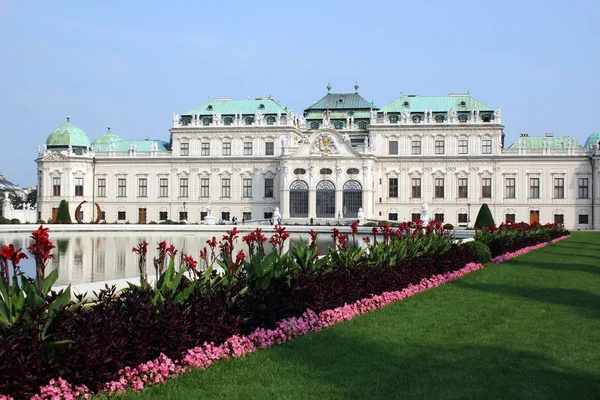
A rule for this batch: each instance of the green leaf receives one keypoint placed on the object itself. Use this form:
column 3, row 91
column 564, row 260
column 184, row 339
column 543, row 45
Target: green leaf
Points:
column 184, row 294
column 48, row 281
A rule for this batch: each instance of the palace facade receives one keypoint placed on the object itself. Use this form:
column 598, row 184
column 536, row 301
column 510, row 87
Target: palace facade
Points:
column 245, row 158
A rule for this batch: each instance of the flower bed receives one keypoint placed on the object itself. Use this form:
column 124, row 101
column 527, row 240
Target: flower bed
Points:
column 260, row 300
column 507, row 256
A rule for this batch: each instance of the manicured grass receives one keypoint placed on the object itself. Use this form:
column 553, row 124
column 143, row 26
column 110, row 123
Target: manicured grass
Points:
column 525, row 329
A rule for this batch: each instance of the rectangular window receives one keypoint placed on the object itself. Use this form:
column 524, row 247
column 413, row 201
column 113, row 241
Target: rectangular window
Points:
column 203, row 215
column 559, row 188
column 534, row 188
column 78, row 186
column 205, row 149
column 185, row 149
column 463, row 146
column 393, row 187
column 486, row 146
column 269, row 148
column 226, row 148
column 583, row 219
column 121, row 187
column 225, row 215
column 204, row 187
column 510, row 218
column 393, row 147
column 143, row 187
column 511, row 187
column 462, row 218
column 121, row 215
column 414, row 217
column 486, row 188
column 393, row 217
column 439, row 217
column 183, row 215
column 225, row 187
column 267, row 215
column 247, row 148
column 55, row 186
column 463, row 188
column 246, row 216
column 183, row 187
column 163, row 187
column 101, row 187
column 268, row 187
column 416, row 147
column 247, row 187
column 559, row 218
column 439, row 147
column 439, row 187
column 163, row 215
column 583, row 192
column 416, row 188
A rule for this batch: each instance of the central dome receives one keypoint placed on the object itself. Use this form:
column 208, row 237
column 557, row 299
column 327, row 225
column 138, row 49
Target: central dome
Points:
column 593, row 139
column 67, row 135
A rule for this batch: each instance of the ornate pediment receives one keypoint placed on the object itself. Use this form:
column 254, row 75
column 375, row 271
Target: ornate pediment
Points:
column 324, row 145
column 55, row 156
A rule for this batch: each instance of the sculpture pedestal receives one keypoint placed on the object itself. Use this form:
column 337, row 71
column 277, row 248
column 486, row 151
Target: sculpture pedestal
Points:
column 209, row 220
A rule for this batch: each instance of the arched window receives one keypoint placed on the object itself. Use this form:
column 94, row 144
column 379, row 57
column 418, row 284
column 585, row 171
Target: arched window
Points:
column 352, row 198
column 325, row 199
column 338, row 125
column 299, row 199
column 486, row 117
column 439, row 118
column 270, row 120
column 416, row 119
column 362, row 125
column 207, row 121
column 228, row 120
column 299, row 171
column 462, row 118
column 393, row 119
column 325, row 171
column 249, row 120
column 352, row 171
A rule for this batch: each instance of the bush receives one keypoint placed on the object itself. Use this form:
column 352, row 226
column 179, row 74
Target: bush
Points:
column 152, row 223
column 482, row 251
column 40, row 222
column 15, row 221
column 63, row 216
column 449, row 226
column 3, row 220
column 484, row 217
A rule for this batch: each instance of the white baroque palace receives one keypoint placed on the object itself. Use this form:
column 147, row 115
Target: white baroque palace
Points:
column 245, row 158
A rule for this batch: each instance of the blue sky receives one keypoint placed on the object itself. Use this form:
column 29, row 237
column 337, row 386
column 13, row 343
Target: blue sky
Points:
column 132, row 66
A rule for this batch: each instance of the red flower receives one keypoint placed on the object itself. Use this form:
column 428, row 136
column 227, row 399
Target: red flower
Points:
column 354, row 227
column 375, row 230
column 240, row 257
column 191, row 263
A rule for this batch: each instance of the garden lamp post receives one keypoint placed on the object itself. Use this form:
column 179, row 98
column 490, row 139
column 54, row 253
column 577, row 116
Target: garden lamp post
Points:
column 468, row 215
column 184, row 213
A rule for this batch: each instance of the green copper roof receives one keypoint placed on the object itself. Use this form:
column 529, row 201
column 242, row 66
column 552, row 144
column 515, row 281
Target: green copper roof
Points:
column 342, row 101
column 337, row 114
column 436, row 103
column 593, row 139
column 103, row 144
column 68, row 135
column 232, row 107
column 540, row 142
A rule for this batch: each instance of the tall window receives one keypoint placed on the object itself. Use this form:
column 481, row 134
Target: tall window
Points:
column 226, row 148
column 511, row 186
column 121, row 215
column 463, row 188
column 101, row 187
column 416, row 188
column 163, row 215
column 247, row 148
column 534, row 188
column 121, row 187
column 439, row 147
column 393, row 187
column 247, row 187
column 416, row 147
column 269, row 148
column 143, row 187
column 463, row 146
column 163, row 187
column 183, row 187
column 559, row 218
column 78, row 186
column 204, row 187
column 439, row 217
column 486, row 188
column 205, row 149
column 393, row 147
column 226, row 187
column 583, row 192
column 510, row 218
column 55, row 186
column 462, row 218
column 439, row 187
column 486, row 146
column 185, row 149
column 268, row 187
column 559, row 188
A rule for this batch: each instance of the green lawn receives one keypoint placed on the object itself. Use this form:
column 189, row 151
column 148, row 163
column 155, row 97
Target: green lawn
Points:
column 525, row 329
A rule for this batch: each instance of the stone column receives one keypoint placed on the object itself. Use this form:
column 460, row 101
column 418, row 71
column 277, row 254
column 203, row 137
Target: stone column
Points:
column 284, row 203
column 312, row 203
column 339, row 202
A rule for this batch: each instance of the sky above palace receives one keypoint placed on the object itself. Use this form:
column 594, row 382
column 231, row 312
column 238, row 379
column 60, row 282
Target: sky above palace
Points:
column 132, row 64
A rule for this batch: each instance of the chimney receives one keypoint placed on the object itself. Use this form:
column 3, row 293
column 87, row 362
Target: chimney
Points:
column 549, row 134
column 524, row 134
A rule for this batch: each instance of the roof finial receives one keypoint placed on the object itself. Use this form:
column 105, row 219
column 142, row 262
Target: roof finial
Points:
column 109, row 129
column 356, row 87
column 68, row 117
column 328, row 87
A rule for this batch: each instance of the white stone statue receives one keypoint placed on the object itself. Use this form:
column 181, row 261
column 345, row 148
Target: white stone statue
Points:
column 284, row 142
column 405, row 114
column 45, row 149
column 39, row 149
column 361, row 216
column 111, row 146
column 278, row 118
column 70, row 150
column 366, row 143
column 498, row 116
column 346, row 137
column 385, row 117
column 452, row 114
column 175, row 120
column 217, row 119
column 154, row 146
column 276, row 216
column 373, row 116
column 304, row 138
column 424, row 212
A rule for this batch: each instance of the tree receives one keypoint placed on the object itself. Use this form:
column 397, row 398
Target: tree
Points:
column 15, row 199
column 62, row 215
column 484, row 217
column 32, row 197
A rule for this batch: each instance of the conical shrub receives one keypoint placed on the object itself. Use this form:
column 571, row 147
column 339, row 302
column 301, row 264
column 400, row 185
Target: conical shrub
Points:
column 62, row 215
column 484, row 217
